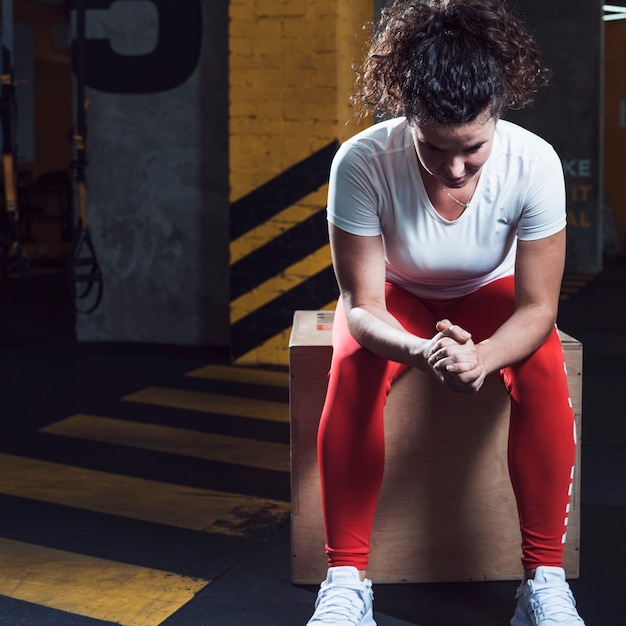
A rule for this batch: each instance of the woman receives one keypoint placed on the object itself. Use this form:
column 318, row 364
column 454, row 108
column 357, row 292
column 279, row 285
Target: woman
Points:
column 447, row 230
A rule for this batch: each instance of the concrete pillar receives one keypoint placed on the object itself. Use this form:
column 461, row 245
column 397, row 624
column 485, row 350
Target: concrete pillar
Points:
column 157, row 146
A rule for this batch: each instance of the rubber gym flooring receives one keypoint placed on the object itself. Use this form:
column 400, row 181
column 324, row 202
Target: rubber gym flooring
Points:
column 149, row 485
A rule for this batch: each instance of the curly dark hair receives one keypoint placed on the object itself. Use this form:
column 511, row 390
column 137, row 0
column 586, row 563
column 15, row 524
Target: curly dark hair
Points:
column 448, row 61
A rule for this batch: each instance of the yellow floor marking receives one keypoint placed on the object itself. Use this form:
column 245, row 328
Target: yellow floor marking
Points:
column 212, row 403
column 92, row 587
column 248, row 375
column 247, row 452
column 137, row 498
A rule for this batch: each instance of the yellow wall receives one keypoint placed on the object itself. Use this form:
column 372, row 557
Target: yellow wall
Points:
column 290, row 81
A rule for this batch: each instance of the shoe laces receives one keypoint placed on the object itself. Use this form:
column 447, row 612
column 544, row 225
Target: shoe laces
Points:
column 343, row 602
column 554, row 604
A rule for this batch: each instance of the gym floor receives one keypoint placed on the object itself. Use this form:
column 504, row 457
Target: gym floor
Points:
column 146, row 485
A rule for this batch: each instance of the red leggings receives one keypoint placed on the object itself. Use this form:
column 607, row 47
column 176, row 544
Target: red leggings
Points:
column 351, row 445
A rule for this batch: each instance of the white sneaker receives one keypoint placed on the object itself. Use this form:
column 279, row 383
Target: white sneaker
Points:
column 546, row 601
column 344, row 600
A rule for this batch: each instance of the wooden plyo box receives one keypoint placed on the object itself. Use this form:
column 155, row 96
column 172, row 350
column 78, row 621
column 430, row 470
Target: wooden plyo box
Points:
column 446, row 511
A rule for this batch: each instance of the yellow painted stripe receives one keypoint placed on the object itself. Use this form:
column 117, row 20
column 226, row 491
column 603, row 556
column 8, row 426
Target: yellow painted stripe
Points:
column 137, row 498
column 245, row 375
column 92, row 587
column 278, row 285
column 238, row 450
column 275, row 351
column 211, row 403
column 280, row 223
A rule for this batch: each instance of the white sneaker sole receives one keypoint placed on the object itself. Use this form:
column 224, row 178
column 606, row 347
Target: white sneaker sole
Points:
column 368, row 620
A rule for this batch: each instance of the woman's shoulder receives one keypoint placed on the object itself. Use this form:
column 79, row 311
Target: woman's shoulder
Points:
column 382, row 137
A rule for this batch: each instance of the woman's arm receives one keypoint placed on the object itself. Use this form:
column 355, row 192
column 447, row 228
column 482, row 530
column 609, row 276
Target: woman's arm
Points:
column 359, row 265
column 538, row 274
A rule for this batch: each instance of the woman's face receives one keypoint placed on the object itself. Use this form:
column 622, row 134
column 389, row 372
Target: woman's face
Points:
column 452, row 155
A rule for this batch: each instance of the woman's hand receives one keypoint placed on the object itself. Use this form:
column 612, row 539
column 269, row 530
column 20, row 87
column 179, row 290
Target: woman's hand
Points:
column 454, row 358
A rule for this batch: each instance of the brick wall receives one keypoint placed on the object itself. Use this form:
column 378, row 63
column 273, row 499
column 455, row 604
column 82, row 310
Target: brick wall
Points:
column 290, row 80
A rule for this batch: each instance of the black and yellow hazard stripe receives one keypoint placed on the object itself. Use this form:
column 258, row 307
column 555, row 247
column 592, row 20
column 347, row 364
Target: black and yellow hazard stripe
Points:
column 287, row 266
column 124, row 517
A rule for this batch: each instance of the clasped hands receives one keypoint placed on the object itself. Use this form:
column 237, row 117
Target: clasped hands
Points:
column 454, row 358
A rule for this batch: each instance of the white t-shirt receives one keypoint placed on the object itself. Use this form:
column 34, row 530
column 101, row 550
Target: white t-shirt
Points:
column 376, row 189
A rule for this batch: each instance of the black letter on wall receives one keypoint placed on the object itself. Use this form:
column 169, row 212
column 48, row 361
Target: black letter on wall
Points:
column 169, row 65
